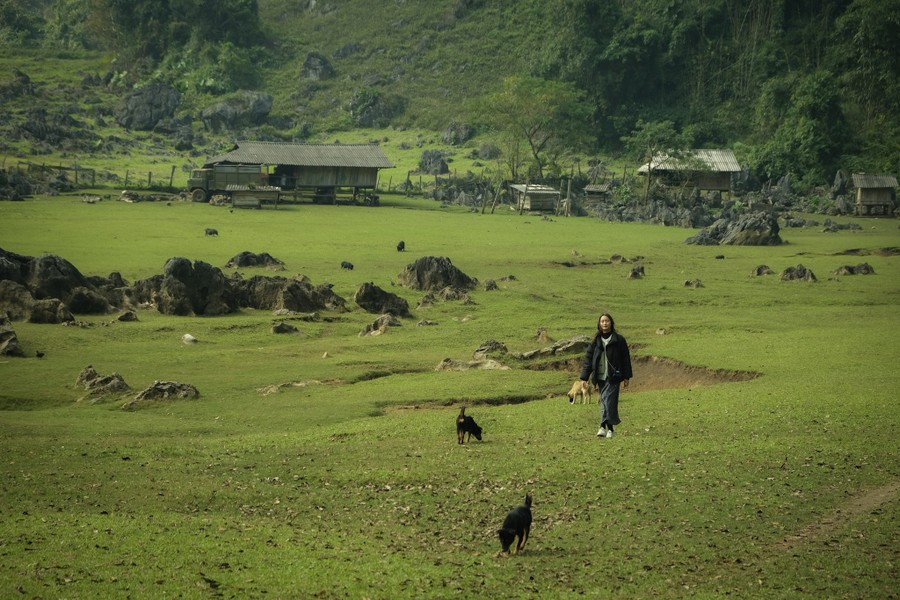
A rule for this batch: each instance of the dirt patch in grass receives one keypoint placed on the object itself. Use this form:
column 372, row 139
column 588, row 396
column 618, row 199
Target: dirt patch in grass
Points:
column 862, row 503
column 650, row 373
column 658, row 373
column 888, row 251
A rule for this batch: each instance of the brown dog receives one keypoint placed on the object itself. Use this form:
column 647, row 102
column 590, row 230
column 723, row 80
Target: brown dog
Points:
column 582, row 388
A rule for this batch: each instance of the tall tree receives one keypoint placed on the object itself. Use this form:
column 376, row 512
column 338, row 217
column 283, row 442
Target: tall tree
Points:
column 652, row 141
column 542, row 113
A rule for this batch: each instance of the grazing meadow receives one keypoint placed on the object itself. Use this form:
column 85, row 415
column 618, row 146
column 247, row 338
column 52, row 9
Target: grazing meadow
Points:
column 757, row 456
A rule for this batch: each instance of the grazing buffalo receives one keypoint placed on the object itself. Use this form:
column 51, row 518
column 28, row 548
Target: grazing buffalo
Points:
column 401, row 246
column 211, row 231
column 347, row 265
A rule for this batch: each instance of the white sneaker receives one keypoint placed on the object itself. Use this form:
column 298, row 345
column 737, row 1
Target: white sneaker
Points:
column 602, row 432
column 609, row 434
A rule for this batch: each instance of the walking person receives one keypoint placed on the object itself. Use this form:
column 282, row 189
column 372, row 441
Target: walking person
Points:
column 607, row 362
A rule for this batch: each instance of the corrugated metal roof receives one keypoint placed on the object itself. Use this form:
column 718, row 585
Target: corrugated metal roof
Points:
column 716, row 161
column 306, row 155
column 534, row 188
column 864, row 180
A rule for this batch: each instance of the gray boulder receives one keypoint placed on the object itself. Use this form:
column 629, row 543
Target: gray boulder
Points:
column 282, row 294
column 316, row 67
column 9, row 341
column 457, row 133
column 251, row 259
column 160, row 391
column 798, row 273
column 375, row 300
column 433, row 163
column 145, row 107
column 756, row 229
column 244, row 109
column 187, row 289
column 432, row 274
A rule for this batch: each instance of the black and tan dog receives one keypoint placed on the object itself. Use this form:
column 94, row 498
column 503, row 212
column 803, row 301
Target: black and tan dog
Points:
column 580, row 388
column 516, row 525
column 466, row 425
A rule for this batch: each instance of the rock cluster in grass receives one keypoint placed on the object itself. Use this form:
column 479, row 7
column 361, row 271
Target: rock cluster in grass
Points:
column 49, row 289
column 860, row 269
column 9, row 341
column 575, row 344
column 756, row 229
column 798, row 273
column 433, row 273
column 380, row 325
column 100, row 387
column 160, row 391
column 252, row 259
column 375, row 300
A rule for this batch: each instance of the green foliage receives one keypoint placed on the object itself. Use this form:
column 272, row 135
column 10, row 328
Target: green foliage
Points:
column 19, row 25
column 204, row 46
column 208, row 68
column 547, row 115
column 810, row 139
column 724, row 70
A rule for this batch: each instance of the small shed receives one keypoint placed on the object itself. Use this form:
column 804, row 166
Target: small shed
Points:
column 535, row 197
column 253, row 196
column 706, row 170
column 597, row 193
column 875, row 194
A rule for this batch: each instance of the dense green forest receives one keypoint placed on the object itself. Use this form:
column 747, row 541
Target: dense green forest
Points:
column 802, row 87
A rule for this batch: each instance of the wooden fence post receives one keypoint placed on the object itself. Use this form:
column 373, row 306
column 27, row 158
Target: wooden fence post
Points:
column 172, row 177
column 126, row 179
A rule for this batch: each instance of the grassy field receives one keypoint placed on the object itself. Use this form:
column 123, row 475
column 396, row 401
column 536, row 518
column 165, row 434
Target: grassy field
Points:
column 305, row 474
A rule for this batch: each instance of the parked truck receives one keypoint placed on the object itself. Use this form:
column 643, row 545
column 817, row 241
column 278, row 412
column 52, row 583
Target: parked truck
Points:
column 206, row 182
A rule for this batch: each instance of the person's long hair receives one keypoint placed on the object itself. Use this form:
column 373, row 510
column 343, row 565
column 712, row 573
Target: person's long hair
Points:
column 612, row 324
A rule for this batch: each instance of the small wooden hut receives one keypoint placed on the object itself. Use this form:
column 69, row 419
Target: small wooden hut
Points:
column 535, row 197
column 597, row 193
column 876, row 195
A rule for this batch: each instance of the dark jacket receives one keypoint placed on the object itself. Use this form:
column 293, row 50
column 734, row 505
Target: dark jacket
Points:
column 616, row 353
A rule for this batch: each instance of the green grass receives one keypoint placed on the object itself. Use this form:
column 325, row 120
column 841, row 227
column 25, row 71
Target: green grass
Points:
column 332, row 488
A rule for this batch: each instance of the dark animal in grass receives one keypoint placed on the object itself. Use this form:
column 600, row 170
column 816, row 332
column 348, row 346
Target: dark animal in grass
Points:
column 346, row 265
column 401, row 246
column 517, row 524
column 466, row 426
column 39, row 354
column 211, row 231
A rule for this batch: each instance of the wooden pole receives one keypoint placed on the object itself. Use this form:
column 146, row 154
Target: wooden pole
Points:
column 126, row 179
column 172, row 176
column 149, row 178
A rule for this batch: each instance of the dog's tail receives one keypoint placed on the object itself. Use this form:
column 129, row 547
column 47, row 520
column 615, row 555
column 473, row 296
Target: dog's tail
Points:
column 528, row 500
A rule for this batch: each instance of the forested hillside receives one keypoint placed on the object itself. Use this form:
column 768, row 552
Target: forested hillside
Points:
column 802, row 87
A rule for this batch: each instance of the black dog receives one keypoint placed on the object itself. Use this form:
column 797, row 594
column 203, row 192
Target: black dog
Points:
column 347, row 265
column 516, row 525
column 401, row 246
column 466, row 425
column 211, row 231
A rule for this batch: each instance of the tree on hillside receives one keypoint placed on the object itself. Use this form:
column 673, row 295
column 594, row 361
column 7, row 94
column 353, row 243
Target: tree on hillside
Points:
column 546, row 115
column 207, row 45
column 810, row 139
column 651, row 141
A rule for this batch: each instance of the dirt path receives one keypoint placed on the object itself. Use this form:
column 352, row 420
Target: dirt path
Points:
column 829, row 524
